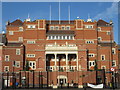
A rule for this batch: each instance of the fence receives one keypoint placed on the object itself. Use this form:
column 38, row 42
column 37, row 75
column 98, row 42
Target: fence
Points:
column 73, row 79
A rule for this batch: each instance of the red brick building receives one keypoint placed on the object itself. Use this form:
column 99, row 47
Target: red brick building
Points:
column 62, row 46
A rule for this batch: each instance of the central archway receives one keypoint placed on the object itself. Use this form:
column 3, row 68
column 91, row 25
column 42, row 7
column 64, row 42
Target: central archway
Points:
column 62, row 79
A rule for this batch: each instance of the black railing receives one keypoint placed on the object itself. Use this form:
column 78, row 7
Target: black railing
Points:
column 34, row 79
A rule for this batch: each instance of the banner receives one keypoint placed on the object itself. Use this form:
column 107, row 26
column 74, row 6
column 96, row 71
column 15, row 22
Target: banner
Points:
column 95, row 86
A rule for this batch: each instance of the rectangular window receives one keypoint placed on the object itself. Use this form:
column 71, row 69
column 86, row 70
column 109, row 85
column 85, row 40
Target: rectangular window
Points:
column 113, row 63
column 67, row 27
column 11, row 33
column 99, row 39
column 30, row 55
column 20, row 39
column 90, row 42
column 17, row 51
column 113, row 50
column 89, row 26
column 56, row 27
column 17, row 64
column 6, row 68
column 63, row 28
column 91, row 55
column 20, row 28
column 31, row 26
column 91, row 63
column 30, row 42
column 51, row 27
column 99, row 29
column 32, row 64
column 7, row 57
column 102, row 57
column 108, row 33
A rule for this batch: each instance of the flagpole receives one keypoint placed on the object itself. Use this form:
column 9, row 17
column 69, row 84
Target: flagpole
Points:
column 59, row 11
column 50, row 14
column 69, row 13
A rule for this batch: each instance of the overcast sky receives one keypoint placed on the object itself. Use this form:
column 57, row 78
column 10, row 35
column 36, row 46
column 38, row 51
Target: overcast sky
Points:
column 40, row 10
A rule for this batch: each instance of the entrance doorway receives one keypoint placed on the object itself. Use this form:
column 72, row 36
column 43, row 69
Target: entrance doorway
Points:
column 62, row 80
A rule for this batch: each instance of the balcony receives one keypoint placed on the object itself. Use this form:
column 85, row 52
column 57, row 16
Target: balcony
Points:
column 58, row 48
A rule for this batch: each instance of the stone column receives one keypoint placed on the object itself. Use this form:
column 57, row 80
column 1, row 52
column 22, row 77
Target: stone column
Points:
column 55, row 61
column 66, row 61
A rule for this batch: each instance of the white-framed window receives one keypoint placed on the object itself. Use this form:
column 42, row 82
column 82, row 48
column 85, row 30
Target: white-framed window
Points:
column 99, row 29
column 60, row 37
column 113, row 51
column 89, row 41
column 20, row 39
column 17, row 51
column 30, row 42
column 31, row 26
column 17, row 64
column 62, row 27
column 102, row 57
column 56, row 27
column 91, row 55
column 103, row 67
column 20, row 28
column 113, row 63
column 30, row 55
column 51, row 27
column 67, row 27
column 91, row 63
column 89, row 26
column 6, row 68
column 11, row 33
column 108, row 33
column 32, row 64
column 50, row 68
column 99, row 38
column 7, row 57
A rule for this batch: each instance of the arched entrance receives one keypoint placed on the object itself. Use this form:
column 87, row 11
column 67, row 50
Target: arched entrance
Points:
column 62, row 80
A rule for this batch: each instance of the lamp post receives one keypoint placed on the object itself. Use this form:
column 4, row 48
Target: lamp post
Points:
column 13, row 74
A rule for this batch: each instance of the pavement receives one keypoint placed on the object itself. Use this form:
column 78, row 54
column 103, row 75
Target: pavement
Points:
column 62, row 89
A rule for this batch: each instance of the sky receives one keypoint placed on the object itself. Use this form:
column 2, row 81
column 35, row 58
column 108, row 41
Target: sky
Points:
column 40, row 10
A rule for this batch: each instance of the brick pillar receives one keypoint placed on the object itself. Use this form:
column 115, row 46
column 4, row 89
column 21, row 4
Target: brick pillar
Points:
column 54, row 77
column 80, row 79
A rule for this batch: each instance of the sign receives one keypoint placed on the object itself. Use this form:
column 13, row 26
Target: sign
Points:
column 112, row 69
column 95, row 86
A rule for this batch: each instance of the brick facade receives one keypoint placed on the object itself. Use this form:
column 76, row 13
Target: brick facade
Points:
column 78, row 46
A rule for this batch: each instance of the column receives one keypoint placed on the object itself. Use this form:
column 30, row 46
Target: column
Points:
column 66, row 61
column 77, row 61
column 55, row 61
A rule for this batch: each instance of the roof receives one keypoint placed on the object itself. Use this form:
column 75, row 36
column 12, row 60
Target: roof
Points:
column 61, row 22
column 17, row 22
column 60, row 32
column 102, row 23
